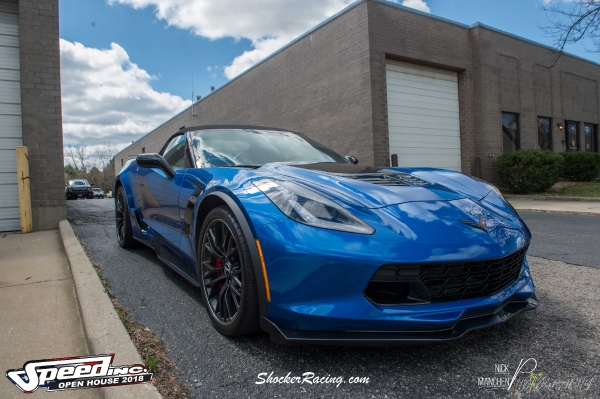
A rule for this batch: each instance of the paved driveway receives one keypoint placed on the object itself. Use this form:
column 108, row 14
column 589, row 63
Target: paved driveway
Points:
column 562, row 335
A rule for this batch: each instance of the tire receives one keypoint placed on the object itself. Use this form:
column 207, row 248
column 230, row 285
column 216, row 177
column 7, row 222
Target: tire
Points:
column 123, row 221
column 222, row 246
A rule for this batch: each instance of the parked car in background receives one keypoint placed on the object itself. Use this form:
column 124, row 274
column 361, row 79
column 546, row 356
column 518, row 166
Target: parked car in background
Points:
column 98, row 193
column 79, row 188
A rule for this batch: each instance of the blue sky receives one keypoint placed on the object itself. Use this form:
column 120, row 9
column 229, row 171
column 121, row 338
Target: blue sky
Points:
column 127, row 64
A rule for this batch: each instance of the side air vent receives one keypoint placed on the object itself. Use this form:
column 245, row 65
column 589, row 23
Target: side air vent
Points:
column 388, row 179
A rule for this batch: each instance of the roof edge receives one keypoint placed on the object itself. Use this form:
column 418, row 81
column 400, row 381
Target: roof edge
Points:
column 388, row 3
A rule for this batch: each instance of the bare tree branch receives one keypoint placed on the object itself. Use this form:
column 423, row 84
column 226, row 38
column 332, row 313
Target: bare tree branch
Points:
column 105, row 153
column 70, row 155
column 569, row 24
column 78, row 154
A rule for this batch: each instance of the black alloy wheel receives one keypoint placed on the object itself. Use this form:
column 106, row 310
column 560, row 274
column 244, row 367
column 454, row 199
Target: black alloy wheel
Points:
column 122, row 220
column 226, row 275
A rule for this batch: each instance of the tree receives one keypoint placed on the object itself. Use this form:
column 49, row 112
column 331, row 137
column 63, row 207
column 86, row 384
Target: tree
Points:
column 105, row 153
column 70, row 171
column 574, row 22
column 78, row 154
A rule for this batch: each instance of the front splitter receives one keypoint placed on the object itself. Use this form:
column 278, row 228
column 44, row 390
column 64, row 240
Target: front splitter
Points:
column 503, row 313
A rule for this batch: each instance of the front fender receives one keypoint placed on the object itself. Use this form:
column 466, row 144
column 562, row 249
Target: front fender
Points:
column 249, row 233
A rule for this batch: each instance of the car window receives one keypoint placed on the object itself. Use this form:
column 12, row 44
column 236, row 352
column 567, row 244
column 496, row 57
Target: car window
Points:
column 231, row 147
column 78, row 183
column 175, row 152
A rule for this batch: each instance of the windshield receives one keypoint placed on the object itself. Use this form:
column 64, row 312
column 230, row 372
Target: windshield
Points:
column 78, row 183
column 240, row 147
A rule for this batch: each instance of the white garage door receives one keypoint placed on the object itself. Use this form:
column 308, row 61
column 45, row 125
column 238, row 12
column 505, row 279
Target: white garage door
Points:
column 423, row 118
column 11, row 134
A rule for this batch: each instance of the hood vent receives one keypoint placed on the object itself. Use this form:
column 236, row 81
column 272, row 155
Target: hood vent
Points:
column 387, row 179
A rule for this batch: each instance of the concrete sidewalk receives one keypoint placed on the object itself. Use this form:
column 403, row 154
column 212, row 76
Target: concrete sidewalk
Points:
column 556, row 206
column 39, row 315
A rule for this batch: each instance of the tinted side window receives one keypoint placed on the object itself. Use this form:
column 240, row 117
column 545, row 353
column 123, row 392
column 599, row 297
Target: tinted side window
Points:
column 175, row 152
column 510, row 132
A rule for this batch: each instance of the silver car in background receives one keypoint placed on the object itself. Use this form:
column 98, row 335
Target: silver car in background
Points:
column 98, row 193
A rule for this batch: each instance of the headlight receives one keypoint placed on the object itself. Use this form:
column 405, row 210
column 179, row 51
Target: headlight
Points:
column 89, row 189
column 69, row 189
column 307, row 207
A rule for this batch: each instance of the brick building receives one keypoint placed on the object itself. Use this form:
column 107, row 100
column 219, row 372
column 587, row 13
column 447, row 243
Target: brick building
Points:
column 379, row 79
column 30, row 110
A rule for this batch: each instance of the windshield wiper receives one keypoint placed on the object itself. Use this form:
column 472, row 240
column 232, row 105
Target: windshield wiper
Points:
column 239, row 166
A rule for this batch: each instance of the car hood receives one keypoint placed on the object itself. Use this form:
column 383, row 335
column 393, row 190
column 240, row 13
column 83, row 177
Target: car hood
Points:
column 377, row 187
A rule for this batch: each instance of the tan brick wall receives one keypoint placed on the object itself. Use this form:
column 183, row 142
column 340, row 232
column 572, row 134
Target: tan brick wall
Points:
column 402, row 35
column 567, row 90
column 41, row 109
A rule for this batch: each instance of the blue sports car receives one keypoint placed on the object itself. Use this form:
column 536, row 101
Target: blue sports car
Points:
column 281, row 233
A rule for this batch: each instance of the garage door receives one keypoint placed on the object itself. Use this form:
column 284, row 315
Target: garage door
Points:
column 423, row 118
column 11, row 134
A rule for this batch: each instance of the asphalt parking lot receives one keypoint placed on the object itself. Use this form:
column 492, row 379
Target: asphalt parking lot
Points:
column 562, row 335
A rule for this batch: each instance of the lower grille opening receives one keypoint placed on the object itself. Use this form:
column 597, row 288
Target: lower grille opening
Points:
column 441, row 282
column 396, row 293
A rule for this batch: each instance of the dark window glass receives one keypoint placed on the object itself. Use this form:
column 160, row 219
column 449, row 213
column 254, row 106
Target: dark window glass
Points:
column 175, row 152
column 143, row 150
column 572, row 134
column 510, row 132
column 224, row 147
column 545, row 133
column 591, row 138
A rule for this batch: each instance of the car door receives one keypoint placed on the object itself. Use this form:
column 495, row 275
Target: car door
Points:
column 158, row 194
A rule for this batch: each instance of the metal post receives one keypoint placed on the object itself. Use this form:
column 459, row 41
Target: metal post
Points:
column 24, row 189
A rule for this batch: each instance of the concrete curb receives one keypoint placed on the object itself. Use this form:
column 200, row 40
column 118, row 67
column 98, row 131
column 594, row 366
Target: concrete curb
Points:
column 103, row 329
column 549, row 198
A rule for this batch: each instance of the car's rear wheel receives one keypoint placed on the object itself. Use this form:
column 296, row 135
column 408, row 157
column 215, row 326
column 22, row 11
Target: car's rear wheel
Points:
column 227, row 278
column 123, row 221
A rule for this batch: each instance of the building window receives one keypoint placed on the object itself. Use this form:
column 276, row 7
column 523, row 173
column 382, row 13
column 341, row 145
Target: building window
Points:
column 143, row 150
column 510, row 132
column 572, row 136
column 545, row 133
column 591, row 138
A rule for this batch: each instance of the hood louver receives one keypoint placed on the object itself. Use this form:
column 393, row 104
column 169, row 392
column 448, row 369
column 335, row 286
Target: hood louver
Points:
column 387, row 179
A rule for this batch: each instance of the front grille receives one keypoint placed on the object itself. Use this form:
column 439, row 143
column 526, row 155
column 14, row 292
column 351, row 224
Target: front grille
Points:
column 387, row 179
column 456, row 280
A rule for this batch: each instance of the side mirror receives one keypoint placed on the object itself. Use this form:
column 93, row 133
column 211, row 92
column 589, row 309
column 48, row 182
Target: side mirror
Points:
column 155, row 161
column 351, row 159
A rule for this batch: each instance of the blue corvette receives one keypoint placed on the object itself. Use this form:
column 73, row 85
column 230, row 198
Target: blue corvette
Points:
column 285, row 235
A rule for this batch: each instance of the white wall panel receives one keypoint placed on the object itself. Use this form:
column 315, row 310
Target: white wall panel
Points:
column 11, row 132
column 423, row 116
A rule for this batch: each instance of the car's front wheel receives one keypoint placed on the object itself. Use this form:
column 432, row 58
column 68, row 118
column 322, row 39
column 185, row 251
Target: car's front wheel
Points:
column 227, row 278
column 123, row 221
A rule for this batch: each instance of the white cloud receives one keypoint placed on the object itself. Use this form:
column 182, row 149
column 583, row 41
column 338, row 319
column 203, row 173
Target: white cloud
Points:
column 420, row 5
column 108, row 98
column 268, row 24
column 209, row 69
